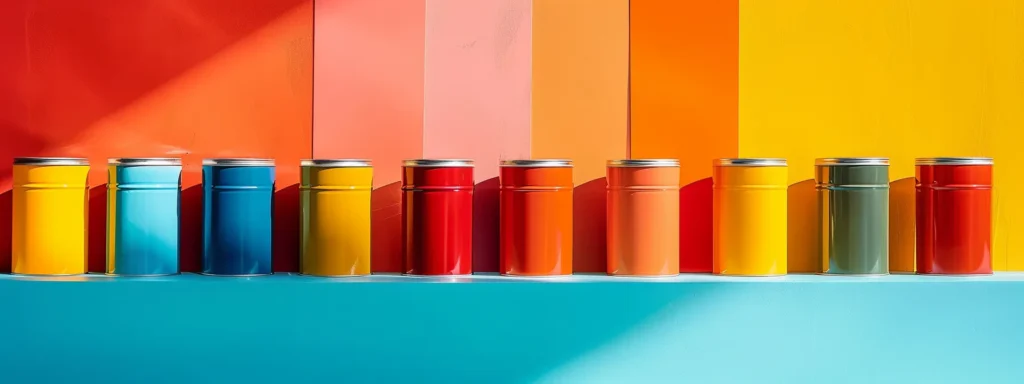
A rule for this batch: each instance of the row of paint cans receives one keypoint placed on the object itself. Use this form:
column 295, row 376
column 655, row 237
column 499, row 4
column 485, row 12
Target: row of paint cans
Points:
column 536, row 216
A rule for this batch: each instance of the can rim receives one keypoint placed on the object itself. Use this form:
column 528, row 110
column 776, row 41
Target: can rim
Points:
column 543, row 163
column 51, row 161
column 840, row 161
column 644, row 163
column 239, row 162
column 144, row 161
column 953, row 161
column 336, row 163
column 437, row 163
column 750, row 162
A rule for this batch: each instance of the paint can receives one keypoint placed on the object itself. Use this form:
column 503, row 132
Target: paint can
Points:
column 335, row 228
column 954, row 215
column 238, row 206
column 143, row 210
column 437, row 210
column 749, row 217
column 536, row 217
column 643, row 217
column 50, row 216
column 853, row 215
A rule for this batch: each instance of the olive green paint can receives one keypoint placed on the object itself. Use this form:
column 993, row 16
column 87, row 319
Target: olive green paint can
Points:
column 853, row 215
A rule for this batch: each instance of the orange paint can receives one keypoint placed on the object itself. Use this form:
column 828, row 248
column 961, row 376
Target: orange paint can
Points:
column 643, row 217
column 536, row 217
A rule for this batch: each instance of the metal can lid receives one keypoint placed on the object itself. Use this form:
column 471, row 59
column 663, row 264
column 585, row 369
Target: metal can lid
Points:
column 337, row 163
column 50, row 161
column 437, row 163
column 840, row 161
column 644, row 163
column 953, row 161
column 239, row 162
column 544, row 163
column 750, row 162
column 144, row 161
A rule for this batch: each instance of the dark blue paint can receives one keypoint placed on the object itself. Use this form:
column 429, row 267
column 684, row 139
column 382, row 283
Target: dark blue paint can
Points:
column 238, row 206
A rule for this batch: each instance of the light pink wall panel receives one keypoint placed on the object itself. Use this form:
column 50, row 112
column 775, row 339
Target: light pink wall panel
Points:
column 368, row 100
column 477, row 97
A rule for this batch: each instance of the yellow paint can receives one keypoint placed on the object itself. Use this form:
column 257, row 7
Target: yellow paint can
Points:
column 50, row 216
column 335, row 198
column 749, row 215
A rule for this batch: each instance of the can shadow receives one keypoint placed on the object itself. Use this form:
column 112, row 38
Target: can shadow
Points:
column 6, row 230
column 97, row 229
column 589, row 228
column 286, row 229
column 386, row 229
column 802, row 228
column 486, row 225
column 902, row 226
column 695, row 227
column 190, row 229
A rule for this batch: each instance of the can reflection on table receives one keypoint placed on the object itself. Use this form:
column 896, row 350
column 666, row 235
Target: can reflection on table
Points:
column 536, row 217
column 954, row 215
column 853, row 215
column 437, row 207
column 238, row 196
column 749, row 216
column 50, row 216
column 143, row 207
column 643, row 217
column 335, row 224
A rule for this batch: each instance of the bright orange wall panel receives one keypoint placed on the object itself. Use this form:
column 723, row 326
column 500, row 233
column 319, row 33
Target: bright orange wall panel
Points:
column 683, row 102
column 190, row 78
column 579, row 105
column 368, row 101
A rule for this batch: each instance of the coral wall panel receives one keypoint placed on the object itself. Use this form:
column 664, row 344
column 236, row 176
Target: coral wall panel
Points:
column 368, row 101
column 477, row 98
column 196, row 79
column 882, row 78
column 683, row 102
column 580, row 102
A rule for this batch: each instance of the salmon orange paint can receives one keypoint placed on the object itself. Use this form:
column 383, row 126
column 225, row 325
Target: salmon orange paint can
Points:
column 50, row 215
column 954, row 215
column 749, row 217
column 437, row 217
column 643, row 217
column 536, row 217
column 335, row 227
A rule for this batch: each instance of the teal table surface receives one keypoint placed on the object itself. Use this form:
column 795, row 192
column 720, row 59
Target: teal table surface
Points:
column 491, row 329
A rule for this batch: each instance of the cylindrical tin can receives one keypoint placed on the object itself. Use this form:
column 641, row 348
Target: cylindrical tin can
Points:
column 50, row 216
column 749, row 217
column 335, row 226
column 643, row 217
column 437, row 209
column 853, row 215
column 954, row 215
column 143, row 207
column 536, row 217
column 238, row 207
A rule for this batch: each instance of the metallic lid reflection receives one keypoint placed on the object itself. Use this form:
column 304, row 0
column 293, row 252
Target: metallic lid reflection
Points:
column 750, row 162
column 437, row 163
column 844, row 161
column 239, row 162
column 337, row 163
column 954, row 161
column 644, row 163
column 152, row 161
column 50, row 161
column 552, row 163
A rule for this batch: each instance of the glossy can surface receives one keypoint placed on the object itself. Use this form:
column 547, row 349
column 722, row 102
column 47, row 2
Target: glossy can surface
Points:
column 536, row 217
column 853, row 215
column 238, row 196
column 143, row 210
column 49, row 216
column 643, row 217
column 335, row 226
column 437, row 225
column 954, row 216
column 749, row 217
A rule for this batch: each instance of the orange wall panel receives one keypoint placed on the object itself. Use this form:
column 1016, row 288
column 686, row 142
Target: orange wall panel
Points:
column 684, row 100
column 368, row 101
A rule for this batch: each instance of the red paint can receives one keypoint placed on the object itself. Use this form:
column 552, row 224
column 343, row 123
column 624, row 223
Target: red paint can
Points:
column 954, row 215
column 437, row 210
column 536, row 217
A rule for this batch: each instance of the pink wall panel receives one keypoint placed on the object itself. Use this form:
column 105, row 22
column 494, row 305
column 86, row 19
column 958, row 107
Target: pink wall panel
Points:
column 368, row 100
column 477, row 97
